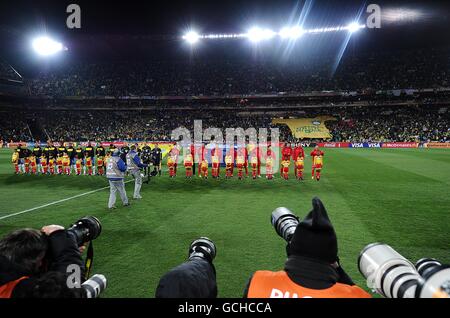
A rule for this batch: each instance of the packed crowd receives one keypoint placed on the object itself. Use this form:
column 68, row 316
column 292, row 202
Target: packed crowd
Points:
column 381, row 71
column 357, row 124
column 415, row 124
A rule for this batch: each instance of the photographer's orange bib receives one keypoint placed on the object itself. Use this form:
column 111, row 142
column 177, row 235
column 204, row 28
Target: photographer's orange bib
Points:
column 267, row 284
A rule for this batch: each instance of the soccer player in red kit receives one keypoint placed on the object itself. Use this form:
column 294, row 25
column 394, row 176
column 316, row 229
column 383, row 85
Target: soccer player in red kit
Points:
column 171, row 166
column 100, row 165
column 203, row 168
column 44, row 164
column 51, row 165
column 245, row 154
column 270, row 160
column 285, row 169
column 174, row 153
column 297, row 152
column 188, row 163
column 317, row 156
column 89, row 165
column 201, row 157
column 215, row 165
column 33, row 164
column 240, row 163
column 255, row 156
column 286, row 152
column 229, row 163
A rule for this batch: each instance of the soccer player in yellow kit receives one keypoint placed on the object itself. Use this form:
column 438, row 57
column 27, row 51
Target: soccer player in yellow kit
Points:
column 317, row 155
column 33, row 163
column 188, row 163
column 285, row 169
column 171, row 166
column 269, row 168
column 59, row 164
column 204, row 168
column 215, row 170
column 240, row 164
column 228, row 165
column 66, row 163
column 78, row 165
column 254, row 165
column 15, row 161
column 299, row 167
column 44, row 164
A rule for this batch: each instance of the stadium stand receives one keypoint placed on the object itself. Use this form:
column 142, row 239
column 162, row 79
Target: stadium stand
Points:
column 381, row 71
column 373, row 97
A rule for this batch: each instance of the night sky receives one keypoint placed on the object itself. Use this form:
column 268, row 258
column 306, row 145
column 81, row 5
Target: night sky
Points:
column 151, row 29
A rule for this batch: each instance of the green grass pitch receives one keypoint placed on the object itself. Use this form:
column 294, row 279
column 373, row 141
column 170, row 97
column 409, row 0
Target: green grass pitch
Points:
column 400, row 197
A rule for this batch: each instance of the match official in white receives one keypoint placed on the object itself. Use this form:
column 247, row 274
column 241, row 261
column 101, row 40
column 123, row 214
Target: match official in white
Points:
column 134, row 166
column 115, row 172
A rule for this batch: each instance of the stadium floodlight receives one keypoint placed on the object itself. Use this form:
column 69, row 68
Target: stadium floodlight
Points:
column 353, row 27
column 191, row 37
column 291, row 32
column 46, row 46
column 257, row 34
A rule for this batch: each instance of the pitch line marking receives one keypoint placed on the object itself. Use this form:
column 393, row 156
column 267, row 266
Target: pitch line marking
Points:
column 56, row 202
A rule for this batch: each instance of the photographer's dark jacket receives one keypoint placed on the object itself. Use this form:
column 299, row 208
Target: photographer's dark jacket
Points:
column 62, row 252
column 192, row 279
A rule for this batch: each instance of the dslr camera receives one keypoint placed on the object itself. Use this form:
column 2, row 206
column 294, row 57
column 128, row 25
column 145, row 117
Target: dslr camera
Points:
column 86, row 230
column 204, row 248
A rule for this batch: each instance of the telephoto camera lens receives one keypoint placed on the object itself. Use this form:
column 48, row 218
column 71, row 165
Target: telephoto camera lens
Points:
column 387, row 272
column 425, row 264
column 202, row 248
column 94, row 286
column 285, row 222
column 86, row 229
column 435, row 279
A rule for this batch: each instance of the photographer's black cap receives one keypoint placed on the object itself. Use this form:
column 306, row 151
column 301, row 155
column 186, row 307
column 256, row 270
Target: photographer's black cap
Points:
column 314, row 236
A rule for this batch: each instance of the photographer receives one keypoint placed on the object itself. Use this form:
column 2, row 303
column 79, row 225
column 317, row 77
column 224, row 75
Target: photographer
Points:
column 134, row 166
column 115, row 172
column 312, row 269
column 196, row 278
column 26, row 254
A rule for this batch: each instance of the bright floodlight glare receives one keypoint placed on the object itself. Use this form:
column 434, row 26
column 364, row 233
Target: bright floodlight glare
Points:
column 353, row 27
column 257, row 34
column 45, row 46
column 191, row 37
column 291, row 32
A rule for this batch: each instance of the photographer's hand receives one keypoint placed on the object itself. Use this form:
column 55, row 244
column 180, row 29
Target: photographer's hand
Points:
column 49, row 229
column 62, row 249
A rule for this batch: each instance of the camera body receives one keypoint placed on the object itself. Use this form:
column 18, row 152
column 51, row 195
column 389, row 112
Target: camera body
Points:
column 85, row 229
column 204, row 248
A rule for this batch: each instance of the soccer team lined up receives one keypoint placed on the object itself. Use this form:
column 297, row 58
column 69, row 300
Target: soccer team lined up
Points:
column 61, row 159
column 242, row 158
column 92, row 160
